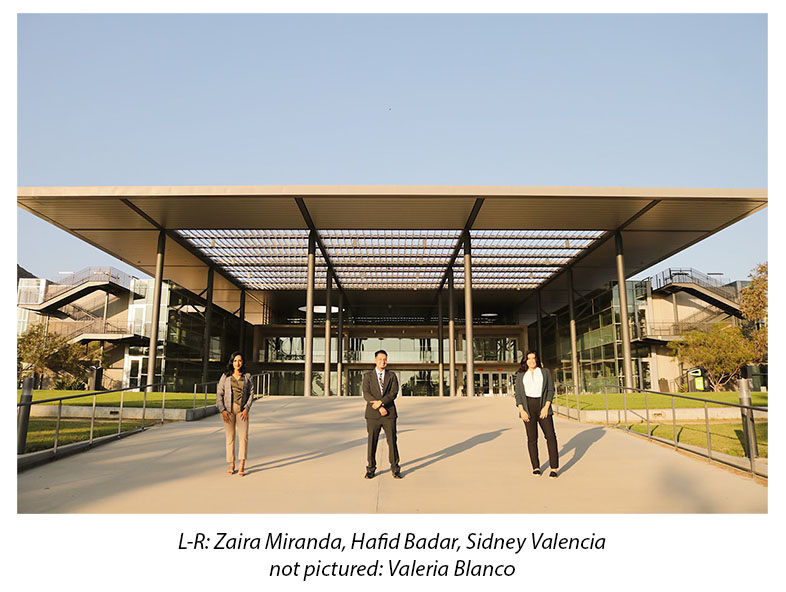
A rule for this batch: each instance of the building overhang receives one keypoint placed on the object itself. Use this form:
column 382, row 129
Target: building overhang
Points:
column 655, row 223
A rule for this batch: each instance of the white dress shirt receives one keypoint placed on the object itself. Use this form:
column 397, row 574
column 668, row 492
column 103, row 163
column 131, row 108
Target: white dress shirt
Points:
column 533, row 383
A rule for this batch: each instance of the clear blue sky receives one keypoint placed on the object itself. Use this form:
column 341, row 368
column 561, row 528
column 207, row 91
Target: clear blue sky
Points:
column 619, row 100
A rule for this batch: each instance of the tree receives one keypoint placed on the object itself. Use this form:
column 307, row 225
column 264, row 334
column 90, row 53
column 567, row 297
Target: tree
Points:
column 753, row 297
column 722, row 351
column 753, row 305
column 39, row 354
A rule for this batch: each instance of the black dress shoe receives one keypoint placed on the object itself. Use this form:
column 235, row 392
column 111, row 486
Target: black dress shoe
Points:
column 397, row 475
column 369, row 474
column 536, row 472
column 553, row 474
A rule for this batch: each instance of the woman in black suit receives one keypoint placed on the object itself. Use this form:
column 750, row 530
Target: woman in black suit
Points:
column 234, row 397
column 534, row 394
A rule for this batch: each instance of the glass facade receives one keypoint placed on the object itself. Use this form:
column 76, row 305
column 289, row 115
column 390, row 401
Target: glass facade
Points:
column 182, row 329
column 400, row 349
column 598, row 340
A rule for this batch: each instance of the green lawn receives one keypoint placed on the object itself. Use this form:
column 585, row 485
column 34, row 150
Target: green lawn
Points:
column 591, row 402
column 41, row 432
column 130, row 399
column 724, row 437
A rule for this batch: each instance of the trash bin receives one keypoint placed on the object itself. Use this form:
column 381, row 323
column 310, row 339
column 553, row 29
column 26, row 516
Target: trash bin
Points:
column 96, row 378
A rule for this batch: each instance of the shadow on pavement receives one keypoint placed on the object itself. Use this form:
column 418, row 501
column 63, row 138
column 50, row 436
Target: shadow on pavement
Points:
column 450, row 451
column 307, row 456
column 580, row 443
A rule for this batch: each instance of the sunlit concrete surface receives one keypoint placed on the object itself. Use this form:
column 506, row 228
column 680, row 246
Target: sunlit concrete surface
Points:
column 458, row 456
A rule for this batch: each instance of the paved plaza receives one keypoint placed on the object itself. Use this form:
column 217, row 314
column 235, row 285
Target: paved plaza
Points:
column 464, row 455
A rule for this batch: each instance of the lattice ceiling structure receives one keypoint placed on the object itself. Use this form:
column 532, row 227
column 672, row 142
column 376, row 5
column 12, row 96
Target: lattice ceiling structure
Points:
column 389, row 259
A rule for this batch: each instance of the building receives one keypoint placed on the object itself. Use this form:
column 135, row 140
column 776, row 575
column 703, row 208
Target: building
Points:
column 107, row 306
column 661, row 309
column 451, row 281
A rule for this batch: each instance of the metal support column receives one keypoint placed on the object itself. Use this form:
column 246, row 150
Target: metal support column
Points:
column 309, row 361
column 242, row 345
column 208, row 322
column 574, row 354
column 624, row 324
column 470, row 350
column 340, row 347
column 153, row 342
column 451, row 336
column 441, row 348
column 540, row 324
column 328, row 312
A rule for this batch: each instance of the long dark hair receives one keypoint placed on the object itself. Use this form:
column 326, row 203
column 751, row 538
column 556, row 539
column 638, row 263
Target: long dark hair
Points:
column 231, row 367
column 524, row 367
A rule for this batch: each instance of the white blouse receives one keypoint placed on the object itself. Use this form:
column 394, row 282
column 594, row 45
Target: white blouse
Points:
column 533, row 383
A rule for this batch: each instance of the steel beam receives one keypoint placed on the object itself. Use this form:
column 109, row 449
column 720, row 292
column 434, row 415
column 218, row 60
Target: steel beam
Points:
column 470, row 346
column 624, row 324
column 208, row 321
column 328, row 311
column 309, row 358
column 574, row 354
column 153, row 342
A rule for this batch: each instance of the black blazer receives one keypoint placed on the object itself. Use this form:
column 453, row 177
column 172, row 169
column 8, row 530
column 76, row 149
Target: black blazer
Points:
column 387, row 396
column 547, row 394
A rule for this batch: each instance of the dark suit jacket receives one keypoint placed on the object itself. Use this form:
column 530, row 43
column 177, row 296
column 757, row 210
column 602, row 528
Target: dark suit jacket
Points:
column 547, row 394
column 387, row 396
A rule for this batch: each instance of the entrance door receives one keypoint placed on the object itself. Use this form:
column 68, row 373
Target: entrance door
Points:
column 135, row 375
column 496, row 385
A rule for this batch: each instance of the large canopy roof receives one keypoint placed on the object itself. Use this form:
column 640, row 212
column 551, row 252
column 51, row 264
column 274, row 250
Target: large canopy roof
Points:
column 391, row 237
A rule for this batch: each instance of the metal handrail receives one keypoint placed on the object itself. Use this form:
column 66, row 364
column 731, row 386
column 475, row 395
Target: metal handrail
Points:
column 23, row 411
column 746, row 411
column 689, row 275
column 205, row 384
column 129, row 388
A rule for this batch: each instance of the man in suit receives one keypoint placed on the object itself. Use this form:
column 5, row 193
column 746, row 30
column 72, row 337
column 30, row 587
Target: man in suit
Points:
column 380, row 388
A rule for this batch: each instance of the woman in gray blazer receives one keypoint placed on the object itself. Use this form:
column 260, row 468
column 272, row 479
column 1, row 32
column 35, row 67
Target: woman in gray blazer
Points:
column 234, row 397
column 534, row 394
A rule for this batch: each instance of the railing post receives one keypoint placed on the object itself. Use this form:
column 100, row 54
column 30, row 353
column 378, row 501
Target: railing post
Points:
column 195, row 389
column 578, row 407
column 606, row 394
column 163, row 404
column 625, row 406
column 120, row 415
column 93, row 419
column 707, row 426
column 674, row 421
column 647, row 412
column 748, row 425
column 144, row 403
column 57, row 427
column 23, row 419
column 205, row 405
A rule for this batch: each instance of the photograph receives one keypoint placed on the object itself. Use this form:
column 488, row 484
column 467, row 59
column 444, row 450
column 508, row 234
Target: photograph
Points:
column 373, row 264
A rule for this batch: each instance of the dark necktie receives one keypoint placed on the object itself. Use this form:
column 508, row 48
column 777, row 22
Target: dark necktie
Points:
column 381, row 381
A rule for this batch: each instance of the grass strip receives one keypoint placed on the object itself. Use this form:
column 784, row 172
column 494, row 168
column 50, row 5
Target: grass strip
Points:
column 725, row 437
column 597, row 401
column 130, row 399
column 41, row 432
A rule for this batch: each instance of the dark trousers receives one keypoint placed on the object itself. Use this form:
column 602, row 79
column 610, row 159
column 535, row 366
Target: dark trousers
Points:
column 374, row 426
column 547, row 425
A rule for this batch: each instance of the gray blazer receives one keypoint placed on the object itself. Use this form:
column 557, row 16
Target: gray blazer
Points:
column 371, row 393
column 224, row 393
column 547, row 394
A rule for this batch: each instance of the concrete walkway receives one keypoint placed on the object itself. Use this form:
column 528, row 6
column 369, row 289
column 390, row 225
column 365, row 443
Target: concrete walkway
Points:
column 458, row 456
